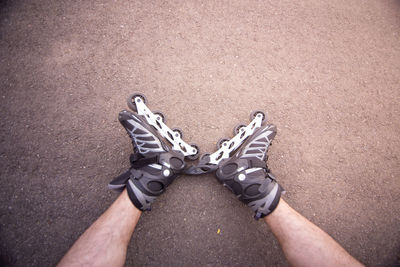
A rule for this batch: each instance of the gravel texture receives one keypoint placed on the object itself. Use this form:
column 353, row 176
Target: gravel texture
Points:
column 326, row 72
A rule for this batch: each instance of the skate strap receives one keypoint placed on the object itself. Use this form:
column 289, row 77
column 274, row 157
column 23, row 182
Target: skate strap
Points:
column 120, row 182
column 200, row 169
column 134, row 157
column 257, row 163
column 137, row 161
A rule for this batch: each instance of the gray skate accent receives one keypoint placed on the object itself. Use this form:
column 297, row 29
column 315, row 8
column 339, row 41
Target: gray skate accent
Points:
column 115, row 187
column 249, row 170
column 156, row 166
column 257, row 204
column 261, row 147
column 143, row 199
column 142, row 139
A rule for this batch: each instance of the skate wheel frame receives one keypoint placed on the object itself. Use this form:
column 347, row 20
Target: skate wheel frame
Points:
column 157, row 122
column 227, row 147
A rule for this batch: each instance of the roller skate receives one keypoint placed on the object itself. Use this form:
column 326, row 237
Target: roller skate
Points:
column 240, row 165
column 158, row 153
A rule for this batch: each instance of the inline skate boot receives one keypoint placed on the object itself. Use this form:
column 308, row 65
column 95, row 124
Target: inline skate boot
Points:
column 240, row 165
column 158, row 153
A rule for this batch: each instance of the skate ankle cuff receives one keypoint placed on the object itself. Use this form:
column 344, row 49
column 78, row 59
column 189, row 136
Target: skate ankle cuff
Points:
column 134, row 199
column 271, row 201
column 119, row 182
column 139, row 199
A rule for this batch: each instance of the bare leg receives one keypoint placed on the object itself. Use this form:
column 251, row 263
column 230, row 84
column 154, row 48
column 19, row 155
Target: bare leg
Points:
column 105, row 242
column 303, row 243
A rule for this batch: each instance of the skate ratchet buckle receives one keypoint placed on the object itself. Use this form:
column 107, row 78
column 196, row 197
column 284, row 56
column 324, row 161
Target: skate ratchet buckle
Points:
column 137, row 102
column 227, row 147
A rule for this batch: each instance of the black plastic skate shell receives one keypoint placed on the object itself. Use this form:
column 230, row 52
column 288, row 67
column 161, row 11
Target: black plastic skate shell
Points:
column 158, row 154
column 227, row 147
column 247, row 175
column 137, row 103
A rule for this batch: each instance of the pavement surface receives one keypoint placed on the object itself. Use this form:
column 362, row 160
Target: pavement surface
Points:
column 326, row 72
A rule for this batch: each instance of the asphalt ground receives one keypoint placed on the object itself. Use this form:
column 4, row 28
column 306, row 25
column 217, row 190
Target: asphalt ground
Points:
column 326, row 72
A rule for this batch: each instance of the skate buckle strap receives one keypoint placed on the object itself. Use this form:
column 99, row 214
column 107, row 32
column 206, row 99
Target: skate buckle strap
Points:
column 201, row 168
column 134, row 157
column 257, row 163
column 137, row 161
